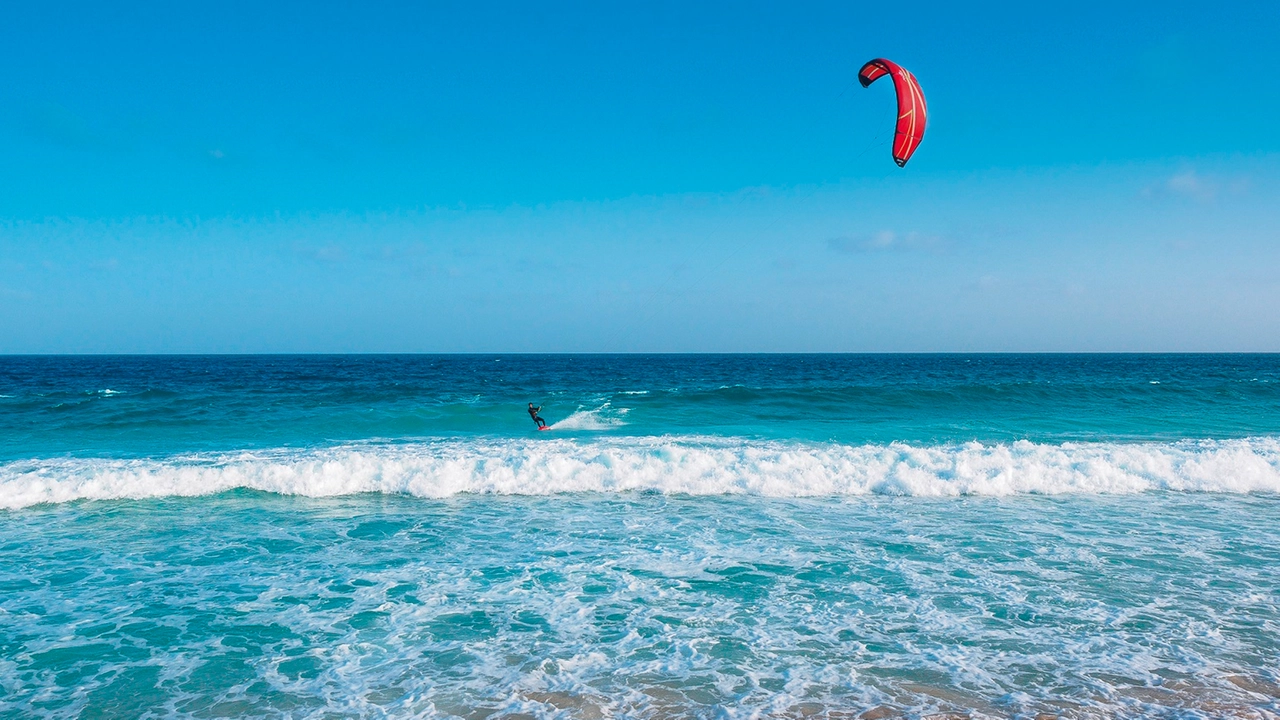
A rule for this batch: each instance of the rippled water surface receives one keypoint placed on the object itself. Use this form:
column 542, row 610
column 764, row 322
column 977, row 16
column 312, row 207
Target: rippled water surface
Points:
column 244, row 604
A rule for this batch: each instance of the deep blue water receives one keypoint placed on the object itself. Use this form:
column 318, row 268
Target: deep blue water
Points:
column 697, row 536
column 144, row 406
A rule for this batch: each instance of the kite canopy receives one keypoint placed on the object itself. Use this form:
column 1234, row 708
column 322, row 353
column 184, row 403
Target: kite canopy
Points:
column 911, row 108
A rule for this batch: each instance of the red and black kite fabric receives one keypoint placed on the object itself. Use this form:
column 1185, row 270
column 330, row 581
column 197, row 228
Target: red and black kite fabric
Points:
column 911, row 109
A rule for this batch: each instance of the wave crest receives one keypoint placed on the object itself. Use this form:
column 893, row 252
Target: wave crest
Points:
column 687, row 465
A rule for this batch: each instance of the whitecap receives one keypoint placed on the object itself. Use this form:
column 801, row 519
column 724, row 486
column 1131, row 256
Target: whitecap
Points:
column 683, row 465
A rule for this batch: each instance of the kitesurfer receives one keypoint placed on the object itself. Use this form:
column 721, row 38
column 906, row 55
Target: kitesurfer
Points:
column 533, row 413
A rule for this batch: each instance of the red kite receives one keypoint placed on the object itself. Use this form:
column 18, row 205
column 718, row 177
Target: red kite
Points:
column 911, row 108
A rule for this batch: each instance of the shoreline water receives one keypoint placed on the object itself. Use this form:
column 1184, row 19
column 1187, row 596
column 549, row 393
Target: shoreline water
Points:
column 245, row 603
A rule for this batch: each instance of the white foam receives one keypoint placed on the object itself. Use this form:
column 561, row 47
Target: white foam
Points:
column 598, row 419
column 692, row 465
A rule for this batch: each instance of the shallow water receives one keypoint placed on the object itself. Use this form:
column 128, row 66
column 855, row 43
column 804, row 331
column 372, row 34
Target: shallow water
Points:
column 246, row 604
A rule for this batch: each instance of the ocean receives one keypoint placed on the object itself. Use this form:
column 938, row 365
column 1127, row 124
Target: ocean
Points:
column 736, row 536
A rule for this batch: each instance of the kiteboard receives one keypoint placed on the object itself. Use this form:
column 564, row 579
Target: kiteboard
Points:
column 545, row 427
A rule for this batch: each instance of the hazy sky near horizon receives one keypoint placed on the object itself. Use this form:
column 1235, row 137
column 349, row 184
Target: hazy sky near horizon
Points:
column 245, row 177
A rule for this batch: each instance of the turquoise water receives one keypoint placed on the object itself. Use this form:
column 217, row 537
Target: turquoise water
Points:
column 698, row 536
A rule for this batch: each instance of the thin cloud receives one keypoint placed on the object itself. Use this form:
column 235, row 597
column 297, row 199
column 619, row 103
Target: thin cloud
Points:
column 330, row 253
column 885, row 241
column 1191, row 185
column 14, row 293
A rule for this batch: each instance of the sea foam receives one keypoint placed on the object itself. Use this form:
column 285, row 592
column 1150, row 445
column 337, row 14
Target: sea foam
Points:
column 683, row 465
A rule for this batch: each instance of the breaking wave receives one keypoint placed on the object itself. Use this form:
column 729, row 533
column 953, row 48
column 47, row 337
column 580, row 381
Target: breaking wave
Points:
column 680, row 465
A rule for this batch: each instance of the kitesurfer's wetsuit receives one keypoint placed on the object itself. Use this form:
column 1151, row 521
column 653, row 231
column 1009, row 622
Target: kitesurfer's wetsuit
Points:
column 533, row 413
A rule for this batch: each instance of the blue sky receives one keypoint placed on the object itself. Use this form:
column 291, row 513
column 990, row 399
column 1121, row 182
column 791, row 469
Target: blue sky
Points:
column 184, row 177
